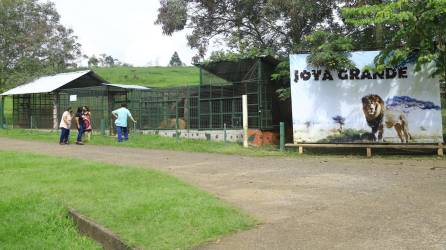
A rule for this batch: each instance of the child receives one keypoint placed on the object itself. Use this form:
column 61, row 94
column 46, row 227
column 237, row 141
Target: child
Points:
column 65, row 124
column 87, row 122
column 80, row 125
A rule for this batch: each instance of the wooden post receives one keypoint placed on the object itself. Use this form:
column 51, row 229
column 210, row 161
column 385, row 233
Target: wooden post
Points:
column 177, row 122
column 55, row 111
column 301, row 150
column 245, row 120
column 110, row 109
column 2, row 111
column 440, row 150
column 369, row 152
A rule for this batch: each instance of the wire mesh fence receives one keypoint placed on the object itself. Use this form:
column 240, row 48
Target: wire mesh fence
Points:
column 192, row 107
column 213, row 105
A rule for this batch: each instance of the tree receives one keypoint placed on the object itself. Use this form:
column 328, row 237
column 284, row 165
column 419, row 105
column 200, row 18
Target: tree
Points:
column 420, row 33
column 33, row 41
column 339, row 120
column 175, row 60
column 277, row 25
column 109, row 61
column 329, row 50
column 93, row 61
column 403, row 30
column 105, row 60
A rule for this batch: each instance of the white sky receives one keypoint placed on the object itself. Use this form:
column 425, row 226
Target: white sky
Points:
column 122, row 29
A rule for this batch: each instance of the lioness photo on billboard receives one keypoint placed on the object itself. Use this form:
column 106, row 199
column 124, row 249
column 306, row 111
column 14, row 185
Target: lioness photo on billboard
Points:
column 379, row 116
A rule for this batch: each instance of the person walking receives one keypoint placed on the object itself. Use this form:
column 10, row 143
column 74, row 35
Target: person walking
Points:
column 121, row 115
column 65, row 124
column 87, row 123
column 80, row 125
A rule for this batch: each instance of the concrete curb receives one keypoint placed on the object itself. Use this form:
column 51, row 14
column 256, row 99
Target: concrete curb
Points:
column 102, row 235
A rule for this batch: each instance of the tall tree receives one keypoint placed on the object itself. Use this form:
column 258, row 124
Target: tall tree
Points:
column 277, row 25
column 175, row 60
column 33, row 41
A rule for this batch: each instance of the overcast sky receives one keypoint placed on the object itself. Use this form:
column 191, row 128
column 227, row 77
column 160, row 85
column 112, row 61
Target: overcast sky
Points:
column 122, row 29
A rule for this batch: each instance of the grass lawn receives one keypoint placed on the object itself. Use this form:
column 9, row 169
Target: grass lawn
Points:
column 152, row 142
column 160, row 77
column 147, row 209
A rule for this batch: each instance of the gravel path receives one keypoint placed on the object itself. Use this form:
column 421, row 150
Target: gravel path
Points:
column 303, row 203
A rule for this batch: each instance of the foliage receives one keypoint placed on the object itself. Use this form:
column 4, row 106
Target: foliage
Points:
column 329, row 50
column 221, row 55
column 278, row 25
column 33, row 41
column 147, row 209
column 160, row 77
column 421, row 32
column 175, row 60
column 348, row 136
column 281, row 74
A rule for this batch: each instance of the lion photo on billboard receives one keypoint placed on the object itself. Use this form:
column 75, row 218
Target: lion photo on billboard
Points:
column 378, row 116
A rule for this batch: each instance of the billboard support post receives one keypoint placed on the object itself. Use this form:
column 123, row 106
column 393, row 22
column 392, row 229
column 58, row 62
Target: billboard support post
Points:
column 440, row 150
column 245, row 120
column 282, row 136
column 225, row 135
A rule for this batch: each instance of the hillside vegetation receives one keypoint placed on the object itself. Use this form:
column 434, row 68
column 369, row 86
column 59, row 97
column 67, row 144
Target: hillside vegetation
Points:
column 159, row 77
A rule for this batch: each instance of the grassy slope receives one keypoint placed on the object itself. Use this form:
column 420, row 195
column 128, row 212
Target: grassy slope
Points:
column 8, row 110
column 151, row 76
column 31, row 221
column 146, row 208
column 151, row 142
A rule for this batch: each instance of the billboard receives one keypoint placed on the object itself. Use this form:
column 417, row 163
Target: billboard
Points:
column 398, row 105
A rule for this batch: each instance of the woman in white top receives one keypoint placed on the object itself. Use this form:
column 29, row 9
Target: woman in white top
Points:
column 65, row 124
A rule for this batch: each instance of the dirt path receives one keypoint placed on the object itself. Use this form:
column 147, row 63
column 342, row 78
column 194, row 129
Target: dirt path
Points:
column 304, row 203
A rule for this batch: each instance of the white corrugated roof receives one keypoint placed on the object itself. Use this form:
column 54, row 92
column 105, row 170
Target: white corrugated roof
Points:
column 46, row 84
column 125, row 86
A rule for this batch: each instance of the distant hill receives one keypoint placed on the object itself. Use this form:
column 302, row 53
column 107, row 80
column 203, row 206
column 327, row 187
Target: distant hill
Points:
column 159, row 77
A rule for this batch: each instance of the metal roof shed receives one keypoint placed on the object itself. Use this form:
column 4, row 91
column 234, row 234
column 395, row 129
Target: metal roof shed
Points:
column 38, row 104
column 48, row 84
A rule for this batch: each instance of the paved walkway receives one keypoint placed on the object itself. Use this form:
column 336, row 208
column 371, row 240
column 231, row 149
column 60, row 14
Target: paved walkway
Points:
column 303, row 203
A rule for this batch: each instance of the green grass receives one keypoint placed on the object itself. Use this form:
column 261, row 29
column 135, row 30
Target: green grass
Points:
column 31, row 221
column 145, row 208
column 159, row 77
column 152, row 142
column 8, row 110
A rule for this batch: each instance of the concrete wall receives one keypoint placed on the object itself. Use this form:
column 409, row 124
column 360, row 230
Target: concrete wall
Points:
column 210, row 135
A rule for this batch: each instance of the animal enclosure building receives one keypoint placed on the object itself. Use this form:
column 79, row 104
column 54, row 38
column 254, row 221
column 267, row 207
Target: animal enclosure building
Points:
column 199, row 111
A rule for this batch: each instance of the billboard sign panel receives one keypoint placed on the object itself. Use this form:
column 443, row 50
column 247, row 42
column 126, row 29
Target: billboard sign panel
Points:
column 398, row 105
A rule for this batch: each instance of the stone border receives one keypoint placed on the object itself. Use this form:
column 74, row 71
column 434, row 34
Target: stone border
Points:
column 102, row 235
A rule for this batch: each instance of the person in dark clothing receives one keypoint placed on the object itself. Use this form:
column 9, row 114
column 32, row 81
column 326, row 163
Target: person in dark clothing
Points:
column 80, row 125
